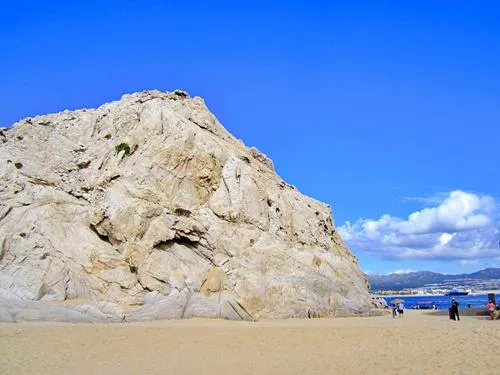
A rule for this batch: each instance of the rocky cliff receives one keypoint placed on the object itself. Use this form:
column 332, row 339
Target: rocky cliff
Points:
column 147, row 208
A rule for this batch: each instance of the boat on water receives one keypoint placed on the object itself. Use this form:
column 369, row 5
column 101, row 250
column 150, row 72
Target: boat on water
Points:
column 425, row 305
column 456, row 292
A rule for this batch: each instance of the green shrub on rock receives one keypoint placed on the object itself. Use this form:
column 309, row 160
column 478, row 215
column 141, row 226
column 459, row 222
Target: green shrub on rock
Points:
column 83, row 164
column 122, row 147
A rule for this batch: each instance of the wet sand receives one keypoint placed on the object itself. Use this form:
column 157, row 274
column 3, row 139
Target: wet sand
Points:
column 419, row 343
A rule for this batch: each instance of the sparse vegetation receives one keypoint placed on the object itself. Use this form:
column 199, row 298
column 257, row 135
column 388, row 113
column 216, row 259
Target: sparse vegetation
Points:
column 244, row 158
column 122, row 147
column 181, row 93
column 18, row 165
column 107, row 136
column 83, row 164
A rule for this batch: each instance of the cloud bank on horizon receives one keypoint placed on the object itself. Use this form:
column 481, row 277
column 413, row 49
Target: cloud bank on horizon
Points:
column 463, row 226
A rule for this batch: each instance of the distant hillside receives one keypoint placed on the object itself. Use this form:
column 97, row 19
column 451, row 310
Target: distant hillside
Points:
column 398, row 281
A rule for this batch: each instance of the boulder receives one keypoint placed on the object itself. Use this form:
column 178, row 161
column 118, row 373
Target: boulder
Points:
column 149, row 209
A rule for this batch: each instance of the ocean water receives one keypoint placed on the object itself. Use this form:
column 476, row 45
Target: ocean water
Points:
column 443, row 302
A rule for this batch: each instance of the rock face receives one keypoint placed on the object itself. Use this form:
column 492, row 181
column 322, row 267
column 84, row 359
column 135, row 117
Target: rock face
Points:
column 147, row 208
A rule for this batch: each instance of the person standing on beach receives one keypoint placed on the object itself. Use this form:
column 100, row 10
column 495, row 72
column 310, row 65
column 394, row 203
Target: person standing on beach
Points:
column 394, row 311
column 401, row 309
column 491, row 309
column 454, row 309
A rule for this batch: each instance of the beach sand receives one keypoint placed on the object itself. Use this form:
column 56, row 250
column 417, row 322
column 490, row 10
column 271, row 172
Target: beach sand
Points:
column 419, row 343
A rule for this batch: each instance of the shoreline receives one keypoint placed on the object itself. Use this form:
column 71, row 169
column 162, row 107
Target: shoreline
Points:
column 433, row 295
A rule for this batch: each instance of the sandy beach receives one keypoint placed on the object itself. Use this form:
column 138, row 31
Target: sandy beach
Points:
column 419, row 343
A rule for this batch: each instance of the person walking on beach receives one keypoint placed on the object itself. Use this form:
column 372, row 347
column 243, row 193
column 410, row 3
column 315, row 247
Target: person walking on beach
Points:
column 401, row 309
column 454, row 309
column 491, row 309
column 394, row 311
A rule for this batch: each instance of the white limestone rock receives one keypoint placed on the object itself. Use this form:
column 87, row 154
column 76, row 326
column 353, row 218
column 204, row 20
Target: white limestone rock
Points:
column 151, row 196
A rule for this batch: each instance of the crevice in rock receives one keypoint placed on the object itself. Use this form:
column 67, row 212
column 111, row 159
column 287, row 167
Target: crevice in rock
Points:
column 204, row 256
column 245, row 310
column 102, row 237
column 165, row 245
column 185, row 240
column 182, row 212
column 194, row 246
column 244, row 318
column 144, row 287
column 158, row 279
column 162, row 119
column 77, row 195
column 186, row 305
column 7, row 211
column 244, row 158
column 2, row 248
column 35, row 180
column 66, row 280
column 228, row 192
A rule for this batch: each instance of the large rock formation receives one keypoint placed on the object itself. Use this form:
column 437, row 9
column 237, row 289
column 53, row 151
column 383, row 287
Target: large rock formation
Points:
column 147, row 208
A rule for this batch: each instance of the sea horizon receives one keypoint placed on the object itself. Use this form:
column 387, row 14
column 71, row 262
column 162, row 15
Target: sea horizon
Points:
column 472, row 300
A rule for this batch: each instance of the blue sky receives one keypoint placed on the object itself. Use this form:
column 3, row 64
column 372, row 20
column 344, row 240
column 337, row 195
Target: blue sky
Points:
column 381, row 109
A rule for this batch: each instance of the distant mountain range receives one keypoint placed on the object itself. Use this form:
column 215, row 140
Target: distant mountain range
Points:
column 398, row 281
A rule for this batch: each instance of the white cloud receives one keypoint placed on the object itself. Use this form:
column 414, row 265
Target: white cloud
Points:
column 426, row 201
column 462, row 226
column 401, row 272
